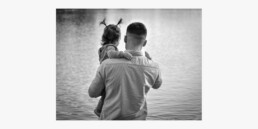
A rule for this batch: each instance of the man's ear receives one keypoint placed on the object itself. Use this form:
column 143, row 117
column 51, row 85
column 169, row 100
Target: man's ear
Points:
column 125, row 39
column 145, row 42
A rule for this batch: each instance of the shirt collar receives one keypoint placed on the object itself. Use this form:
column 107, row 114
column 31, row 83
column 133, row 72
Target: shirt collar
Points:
column 135, row 53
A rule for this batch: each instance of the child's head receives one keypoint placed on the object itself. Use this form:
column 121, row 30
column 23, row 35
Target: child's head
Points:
column 111, row 33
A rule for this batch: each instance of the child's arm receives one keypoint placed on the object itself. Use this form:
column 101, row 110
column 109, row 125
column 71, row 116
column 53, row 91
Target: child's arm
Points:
column 112, row 53
column 147, row 55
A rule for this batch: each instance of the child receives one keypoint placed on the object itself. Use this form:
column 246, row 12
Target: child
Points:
column 110, row 41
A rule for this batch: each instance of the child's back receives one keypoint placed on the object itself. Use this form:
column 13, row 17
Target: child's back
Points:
column 103, row 51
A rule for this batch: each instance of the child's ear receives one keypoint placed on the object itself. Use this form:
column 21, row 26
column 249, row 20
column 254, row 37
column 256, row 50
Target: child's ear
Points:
column 125, row 39
column 145, row 42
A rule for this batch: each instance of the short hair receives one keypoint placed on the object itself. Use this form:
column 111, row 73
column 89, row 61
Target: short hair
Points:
column 137, row 28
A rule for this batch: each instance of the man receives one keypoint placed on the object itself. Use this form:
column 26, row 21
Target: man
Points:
column 126, row 82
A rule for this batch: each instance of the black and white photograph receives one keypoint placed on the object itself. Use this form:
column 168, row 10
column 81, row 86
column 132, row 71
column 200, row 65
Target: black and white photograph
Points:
column 112, row 64
column 129, row 64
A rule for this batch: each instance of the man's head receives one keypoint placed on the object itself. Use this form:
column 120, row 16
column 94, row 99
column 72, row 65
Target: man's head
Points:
column 135, row 36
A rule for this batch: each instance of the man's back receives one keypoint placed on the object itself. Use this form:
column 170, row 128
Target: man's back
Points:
column 126, row 84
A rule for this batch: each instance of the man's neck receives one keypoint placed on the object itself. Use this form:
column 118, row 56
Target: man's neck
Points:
column 135, row 53
column 137, row 50
column 134, row 48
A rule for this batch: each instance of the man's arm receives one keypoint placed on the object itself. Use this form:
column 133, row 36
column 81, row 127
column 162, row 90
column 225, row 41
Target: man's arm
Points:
column 158, row 81
column 97, row 85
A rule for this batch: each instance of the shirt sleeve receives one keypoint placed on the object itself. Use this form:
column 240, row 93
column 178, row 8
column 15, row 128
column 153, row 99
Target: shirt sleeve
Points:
column 113, row 53
column 97, row 85
column 158, row 81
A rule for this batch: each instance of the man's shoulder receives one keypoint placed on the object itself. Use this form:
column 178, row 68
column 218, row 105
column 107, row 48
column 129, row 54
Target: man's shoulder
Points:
column 153, row 64
column 142, row 61
column 114, row 61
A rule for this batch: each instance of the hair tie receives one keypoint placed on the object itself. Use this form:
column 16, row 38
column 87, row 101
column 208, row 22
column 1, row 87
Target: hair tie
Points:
column 119, row 22
column 103, row 22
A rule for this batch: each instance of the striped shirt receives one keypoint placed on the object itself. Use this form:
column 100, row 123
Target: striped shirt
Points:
column 126, row 83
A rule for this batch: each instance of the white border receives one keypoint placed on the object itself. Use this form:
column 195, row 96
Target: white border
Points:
column 28, row 64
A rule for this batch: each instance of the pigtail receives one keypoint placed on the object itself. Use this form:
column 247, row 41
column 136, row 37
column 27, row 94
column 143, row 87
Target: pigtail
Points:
column 119, row 22
column 103, row 22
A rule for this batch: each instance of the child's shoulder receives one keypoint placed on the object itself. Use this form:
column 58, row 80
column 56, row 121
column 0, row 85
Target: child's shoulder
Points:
column 103, row 50
column 108, row 47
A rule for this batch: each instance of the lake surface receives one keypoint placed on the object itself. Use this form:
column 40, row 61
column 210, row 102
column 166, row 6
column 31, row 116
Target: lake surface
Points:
column 174, row 41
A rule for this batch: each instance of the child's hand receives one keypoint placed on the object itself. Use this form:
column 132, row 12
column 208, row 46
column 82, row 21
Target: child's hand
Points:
column 147, row 55
column 128, row 55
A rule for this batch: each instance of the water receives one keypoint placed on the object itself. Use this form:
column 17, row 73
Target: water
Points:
column 174, row 41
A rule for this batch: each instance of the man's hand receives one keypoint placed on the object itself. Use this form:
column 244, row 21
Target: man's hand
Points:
column 127, row 55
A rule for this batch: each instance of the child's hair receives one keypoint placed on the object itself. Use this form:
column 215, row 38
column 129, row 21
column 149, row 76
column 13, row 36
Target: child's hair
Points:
column 111, row 33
